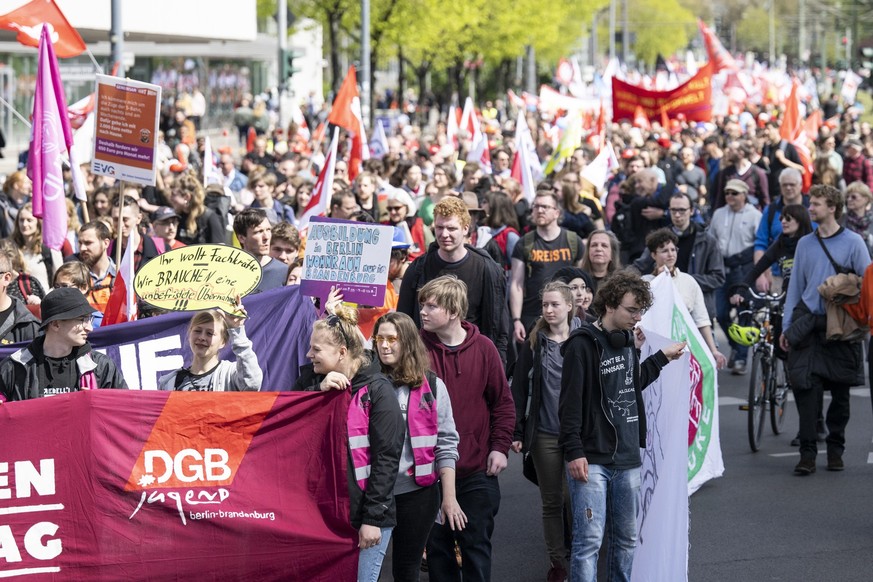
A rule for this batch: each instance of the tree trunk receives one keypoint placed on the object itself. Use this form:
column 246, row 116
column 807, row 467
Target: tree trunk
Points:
column 401, row 75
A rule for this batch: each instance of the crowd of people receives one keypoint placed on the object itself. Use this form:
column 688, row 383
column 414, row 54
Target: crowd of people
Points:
column 510, row 320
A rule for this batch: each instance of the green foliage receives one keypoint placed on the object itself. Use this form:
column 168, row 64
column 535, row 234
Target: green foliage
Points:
column 661, row 26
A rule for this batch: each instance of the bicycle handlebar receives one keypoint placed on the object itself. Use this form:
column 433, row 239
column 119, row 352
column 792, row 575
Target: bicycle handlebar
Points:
column 760, row 296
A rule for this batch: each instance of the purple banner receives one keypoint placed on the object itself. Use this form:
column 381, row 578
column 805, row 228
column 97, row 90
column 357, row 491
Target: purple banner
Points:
column 279, row 325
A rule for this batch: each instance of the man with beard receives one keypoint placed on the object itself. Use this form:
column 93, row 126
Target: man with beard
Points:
column 739, row 166
column 94, row 240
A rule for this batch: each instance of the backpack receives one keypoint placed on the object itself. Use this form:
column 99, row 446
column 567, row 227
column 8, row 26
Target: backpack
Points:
column 622, row 225
column 530, row 237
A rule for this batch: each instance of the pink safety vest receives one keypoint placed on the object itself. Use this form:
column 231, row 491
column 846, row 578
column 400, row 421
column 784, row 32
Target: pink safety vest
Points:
column 358, row 422
column 421, row 417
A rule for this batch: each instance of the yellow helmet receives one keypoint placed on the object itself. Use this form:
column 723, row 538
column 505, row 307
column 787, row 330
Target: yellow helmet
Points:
column 745, row 336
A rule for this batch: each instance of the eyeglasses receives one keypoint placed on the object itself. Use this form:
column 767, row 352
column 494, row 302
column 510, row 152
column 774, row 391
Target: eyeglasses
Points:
column 83, row 321
column 789, row 184
column 854, row 197
column 679, row 210
column 731, row 193
column 335, row 322
column 389, row 339
column 395, row 208
column 634, row 311
column 543, row 207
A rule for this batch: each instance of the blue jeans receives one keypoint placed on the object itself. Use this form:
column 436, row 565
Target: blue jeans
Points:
column 370, row 560
column 608, row 499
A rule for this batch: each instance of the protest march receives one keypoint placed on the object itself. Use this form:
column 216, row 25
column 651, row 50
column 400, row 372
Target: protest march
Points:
column 302, row 341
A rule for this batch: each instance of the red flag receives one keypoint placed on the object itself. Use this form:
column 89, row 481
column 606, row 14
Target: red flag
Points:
column 51, row 135
column 469, row 119
column 718, row 56
column 28, row 20
column 792, row 130
column 665, row 119
column 601, row 124
column 323, row 189
column 121, row 306
column 479, row 152
column 341, row 113
column 346, row 113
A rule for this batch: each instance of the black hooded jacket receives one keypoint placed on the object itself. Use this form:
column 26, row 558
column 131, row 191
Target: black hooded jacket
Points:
column 585, row 427
column 375, row 505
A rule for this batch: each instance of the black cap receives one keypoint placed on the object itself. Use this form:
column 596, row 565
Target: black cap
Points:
column 567, row 274
column 64, row 303
column 164, row 213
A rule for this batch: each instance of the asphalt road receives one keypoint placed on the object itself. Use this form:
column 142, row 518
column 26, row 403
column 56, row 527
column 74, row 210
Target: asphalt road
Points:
column 759, row 522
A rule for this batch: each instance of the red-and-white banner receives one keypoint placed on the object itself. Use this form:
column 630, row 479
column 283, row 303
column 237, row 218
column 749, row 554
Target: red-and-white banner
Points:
column 128, row 485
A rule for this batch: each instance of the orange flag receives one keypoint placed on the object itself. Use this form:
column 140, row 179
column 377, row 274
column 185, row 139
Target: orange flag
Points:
column 641, row 120
column 27, row 20
column 715, row 51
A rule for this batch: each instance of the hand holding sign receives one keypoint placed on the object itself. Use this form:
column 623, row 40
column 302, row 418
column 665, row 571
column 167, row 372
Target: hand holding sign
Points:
column 199, row 277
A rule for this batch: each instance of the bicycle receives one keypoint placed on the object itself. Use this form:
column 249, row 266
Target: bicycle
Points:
column 768, row 384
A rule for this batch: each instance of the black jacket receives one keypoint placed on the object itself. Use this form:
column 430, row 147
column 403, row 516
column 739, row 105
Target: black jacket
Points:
column 705, row 264
column 19, row 378
column 20, row 326
column 585, row 428
column 374, row 506
column 494, row 317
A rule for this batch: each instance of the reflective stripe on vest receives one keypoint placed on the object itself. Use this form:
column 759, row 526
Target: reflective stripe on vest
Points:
column 358, row 421
column 421, row 416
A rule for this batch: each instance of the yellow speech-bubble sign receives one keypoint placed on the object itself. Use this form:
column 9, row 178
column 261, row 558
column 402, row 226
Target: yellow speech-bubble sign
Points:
column 198, row 277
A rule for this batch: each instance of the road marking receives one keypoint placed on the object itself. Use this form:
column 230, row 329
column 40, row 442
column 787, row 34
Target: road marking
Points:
column 870, row 458
column 734, row 401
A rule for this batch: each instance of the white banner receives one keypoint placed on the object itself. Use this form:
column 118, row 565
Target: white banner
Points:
column 662, row 519
column 669, row 315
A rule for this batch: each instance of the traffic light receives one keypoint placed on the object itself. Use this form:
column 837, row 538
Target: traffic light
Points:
column 287, row 63
column 867, row 61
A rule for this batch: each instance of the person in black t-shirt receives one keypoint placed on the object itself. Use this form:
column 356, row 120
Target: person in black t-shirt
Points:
column 536, row 258
column 450, row 256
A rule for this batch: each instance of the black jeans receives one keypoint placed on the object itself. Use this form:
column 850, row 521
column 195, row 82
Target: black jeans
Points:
column 479, row 498
column 836, row 419
column 416, row 512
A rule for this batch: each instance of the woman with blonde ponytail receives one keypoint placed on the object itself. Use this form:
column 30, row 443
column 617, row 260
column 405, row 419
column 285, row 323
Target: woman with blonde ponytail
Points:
column 375, row 428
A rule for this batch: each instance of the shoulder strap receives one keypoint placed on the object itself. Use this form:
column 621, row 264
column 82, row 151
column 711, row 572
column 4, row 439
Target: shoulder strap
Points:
column 771, row 213
column 573, row 241
column 837, row 268
column 432, row 382
column 528, row 243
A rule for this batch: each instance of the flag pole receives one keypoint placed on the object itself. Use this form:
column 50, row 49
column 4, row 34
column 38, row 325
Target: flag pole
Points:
column 93, row 60
column 15, row 112
column 120, row 219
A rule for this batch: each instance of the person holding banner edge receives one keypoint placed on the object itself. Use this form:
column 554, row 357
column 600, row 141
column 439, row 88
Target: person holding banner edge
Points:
column 340, row 362
column 61, row 360
column 208, row 333
column 603, row 424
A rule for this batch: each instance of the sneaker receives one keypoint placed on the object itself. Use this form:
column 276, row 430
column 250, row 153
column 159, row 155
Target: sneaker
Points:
column 835, row 463
column 739, row 368
column 805, row 467
column 557, row 573
column 732, row 359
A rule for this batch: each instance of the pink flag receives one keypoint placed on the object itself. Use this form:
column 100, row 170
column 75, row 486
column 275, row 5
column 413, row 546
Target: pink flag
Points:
column 121, row 306
column 50, row 135
column 323, row 190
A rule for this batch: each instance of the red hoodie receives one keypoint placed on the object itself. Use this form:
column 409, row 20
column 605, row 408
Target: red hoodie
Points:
column 481, row 401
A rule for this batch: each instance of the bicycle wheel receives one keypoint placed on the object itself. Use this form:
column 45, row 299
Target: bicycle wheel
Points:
column 757, row 399
column 778, row 395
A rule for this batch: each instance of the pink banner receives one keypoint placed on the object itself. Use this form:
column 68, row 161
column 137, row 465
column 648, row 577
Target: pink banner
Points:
column 112, row 485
